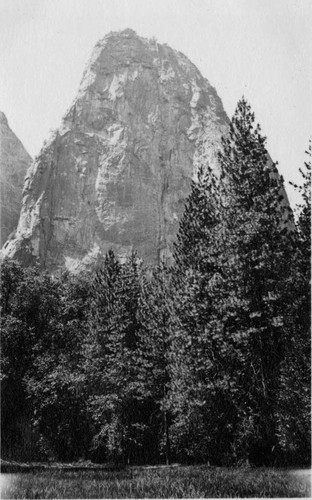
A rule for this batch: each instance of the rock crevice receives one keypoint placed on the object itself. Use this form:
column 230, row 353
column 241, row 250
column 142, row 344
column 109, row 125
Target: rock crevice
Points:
column 14, row 162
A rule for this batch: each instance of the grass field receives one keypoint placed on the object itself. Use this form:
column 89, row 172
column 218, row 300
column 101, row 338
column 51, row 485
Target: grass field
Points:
column 178, row 482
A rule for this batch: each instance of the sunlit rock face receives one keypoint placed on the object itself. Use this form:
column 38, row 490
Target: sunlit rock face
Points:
column 14, row 162
column 118, row 170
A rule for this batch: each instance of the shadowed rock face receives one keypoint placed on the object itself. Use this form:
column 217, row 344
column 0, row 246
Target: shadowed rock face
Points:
column 14, row 162
column 118, row 170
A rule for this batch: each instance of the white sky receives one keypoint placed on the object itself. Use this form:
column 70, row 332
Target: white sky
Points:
column 261, row 49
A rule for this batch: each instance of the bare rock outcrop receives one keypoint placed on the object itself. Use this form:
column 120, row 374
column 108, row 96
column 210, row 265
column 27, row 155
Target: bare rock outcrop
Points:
column 118, row 170
column 14, row 162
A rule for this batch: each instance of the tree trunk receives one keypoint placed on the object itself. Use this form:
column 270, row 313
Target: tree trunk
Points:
column 166, row 429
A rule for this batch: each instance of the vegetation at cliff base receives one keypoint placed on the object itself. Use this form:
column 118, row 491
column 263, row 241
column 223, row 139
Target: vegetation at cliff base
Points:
column 205, row 360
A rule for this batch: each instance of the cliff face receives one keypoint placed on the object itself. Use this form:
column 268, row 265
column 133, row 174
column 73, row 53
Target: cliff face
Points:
column 117, row 172
column 14, row 162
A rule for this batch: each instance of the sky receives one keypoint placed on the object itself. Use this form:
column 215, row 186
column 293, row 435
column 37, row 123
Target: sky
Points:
column 261, row 49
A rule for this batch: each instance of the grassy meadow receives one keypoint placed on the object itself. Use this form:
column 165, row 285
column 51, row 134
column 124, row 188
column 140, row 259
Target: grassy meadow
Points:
column 158, row 482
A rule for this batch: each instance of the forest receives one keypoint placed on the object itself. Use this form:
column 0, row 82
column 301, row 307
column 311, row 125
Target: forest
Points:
column 204, row 359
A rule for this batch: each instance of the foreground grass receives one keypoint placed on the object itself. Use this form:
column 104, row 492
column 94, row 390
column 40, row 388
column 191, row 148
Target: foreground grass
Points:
column 179, row 482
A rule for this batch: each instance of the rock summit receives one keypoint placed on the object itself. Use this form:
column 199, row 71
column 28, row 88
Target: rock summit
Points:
column 117, row 171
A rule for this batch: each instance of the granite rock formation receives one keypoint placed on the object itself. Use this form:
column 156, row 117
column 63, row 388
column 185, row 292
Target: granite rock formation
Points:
column 117, row 171
column 14, row 162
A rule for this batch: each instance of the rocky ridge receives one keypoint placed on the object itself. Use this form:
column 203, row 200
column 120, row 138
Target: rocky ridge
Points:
column 14, row 162
column 118, row 170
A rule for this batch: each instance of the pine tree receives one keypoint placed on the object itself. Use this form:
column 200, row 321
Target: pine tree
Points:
column 155, row 350
column 201, row 390
column 231, row 324
column 111, row 360
column 260, row 245
column 293, row 415
column 199, row 217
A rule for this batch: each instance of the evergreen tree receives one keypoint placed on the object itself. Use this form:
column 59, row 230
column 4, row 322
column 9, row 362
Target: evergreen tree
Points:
column 110, row 366
column 260, row 246
column 203, row 406
column 154, row 361
column 293, row 415
column 233, row 259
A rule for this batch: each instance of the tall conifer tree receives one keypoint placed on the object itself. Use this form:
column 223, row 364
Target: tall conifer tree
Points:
column 201, row 394
column 111, row 359
column 232, row 262
column 155, row 360
column 260, row 245
column 294, row 411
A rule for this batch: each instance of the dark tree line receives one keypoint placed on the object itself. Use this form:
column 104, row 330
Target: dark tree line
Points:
column 203, row 360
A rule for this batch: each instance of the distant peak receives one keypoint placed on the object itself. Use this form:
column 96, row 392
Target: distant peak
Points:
column 3, row 118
